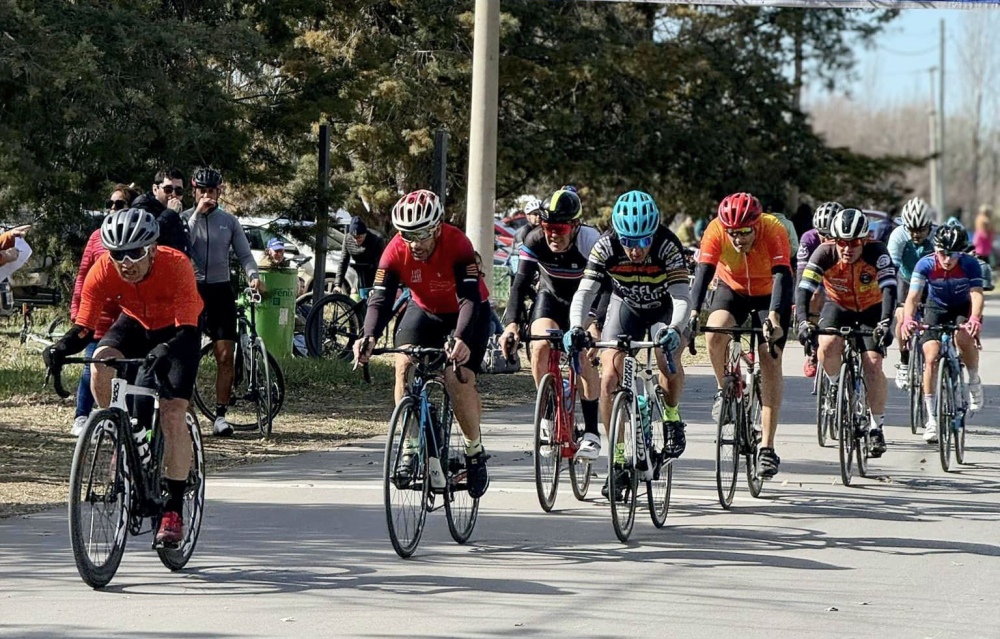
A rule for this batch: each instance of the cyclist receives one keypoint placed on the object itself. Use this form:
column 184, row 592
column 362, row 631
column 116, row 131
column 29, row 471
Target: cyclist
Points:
column 642, row 262
column 808, row 243
column 755, row 280
column 155, row 287
column 435, row 260
column 365, row 250
column 860, row 283
column 532, row 210
column 556, row 252
column 213, row 233
column 908, row 242
column 953, row 283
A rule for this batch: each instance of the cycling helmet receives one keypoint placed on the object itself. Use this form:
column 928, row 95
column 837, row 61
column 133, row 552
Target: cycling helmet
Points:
column 206, row 178
column 739, row 210
column 824, row 215
column 126, row 229
column 531, row 205
column 417, row 211
column 635, row 215
column 916, row 214
column 564, row 206
column 951, row 238
column 849, row 224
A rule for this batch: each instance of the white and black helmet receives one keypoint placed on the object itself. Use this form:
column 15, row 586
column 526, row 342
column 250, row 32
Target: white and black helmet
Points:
column 128, row 229
column 417, row 211
column 916, row 214
column 849, row 224
column 532, row 205
column 824, row 215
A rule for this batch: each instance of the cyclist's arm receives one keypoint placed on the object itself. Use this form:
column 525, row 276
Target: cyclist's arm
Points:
column 812, row 279
column 527, row 268
column 380, row 300
column 703, row 275
column 469, row 296
column 782, row 288
column 978, row 302
column 345, row 260
column 242, row 249
column 708, row 262
column 897, row 245
column 582, row 301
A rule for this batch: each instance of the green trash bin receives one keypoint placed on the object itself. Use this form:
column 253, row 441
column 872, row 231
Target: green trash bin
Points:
column 276, row 313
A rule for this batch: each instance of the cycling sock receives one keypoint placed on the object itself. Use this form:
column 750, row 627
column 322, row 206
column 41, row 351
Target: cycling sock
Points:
column 220, row 410
column 929, row 404
column 904, row 357
column 176, row 488
column 973, row 374
column 589, row 409
column 877, row 420
column 834, row 380
column 671, row 414
column 473, row 446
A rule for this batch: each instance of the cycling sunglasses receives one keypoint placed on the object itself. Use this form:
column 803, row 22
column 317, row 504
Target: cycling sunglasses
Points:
column 636, row 242
column 129, row 255
column 944, row 255
column 170, row 188
column 557, row 228
column 417, row 236
column 116, row 205
column 744, row 232
column 848, row 244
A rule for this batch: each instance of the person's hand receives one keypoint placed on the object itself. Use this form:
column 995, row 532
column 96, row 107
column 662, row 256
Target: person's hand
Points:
column 593, row 334
column 807, row 332
column 508, row 340
column 9, row 255
column 574, row 339
column 175, row 204
column 974, row 326
column 206, row 205
column 694, row 324
column 883, row 332
column 339, row 289
column 257, row 285
column 458, row 352
column 776, row 331
column 908, row 328
column 158, row 357
column 20, row 231
column 668, row 339
column 363, row 350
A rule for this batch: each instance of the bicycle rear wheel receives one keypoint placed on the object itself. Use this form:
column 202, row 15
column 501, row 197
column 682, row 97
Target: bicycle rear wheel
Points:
column 194, row 501
column 945, row 412
column 752, row 432
column 100, row 494
column 547, row 451
column 406, row 488
column 331, row 327
column 658, row 488
column 727, row 452
column 622, row 479
column 261, row 390
column 461, row 509
column 845, row 423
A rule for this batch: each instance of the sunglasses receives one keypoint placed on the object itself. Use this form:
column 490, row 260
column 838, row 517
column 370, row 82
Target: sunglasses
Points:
column 129, row 255
column 170, row 188
column 557, row 228
column 636, row 242
column 919, row 231
column 846, row 244
column 946, row 255
column 116, row 205
column 739, row 232
column 417, row 236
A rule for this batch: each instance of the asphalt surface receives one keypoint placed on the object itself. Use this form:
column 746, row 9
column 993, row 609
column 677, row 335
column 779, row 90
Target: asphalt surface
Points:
column 298, row 547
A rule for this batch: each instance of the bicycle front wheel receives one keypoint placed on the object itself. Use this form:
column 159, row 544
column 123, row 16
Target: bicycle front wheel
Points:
column 862, row 420
column 845, row 423
column 945, row 412
column 823, row 417
column 623, row 479
column 262, row 390
column 460, row 509
column 331, row 327
column 915, row 375
column 727, row 457
column 658, row 488
column 405, row 478
column 753, row 426
column 194, row 501
column 548, row 453
column 100, row 497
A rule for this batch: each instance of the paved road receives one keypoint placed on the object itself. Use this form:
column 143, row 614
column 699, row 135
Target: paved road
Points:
column 298, row 547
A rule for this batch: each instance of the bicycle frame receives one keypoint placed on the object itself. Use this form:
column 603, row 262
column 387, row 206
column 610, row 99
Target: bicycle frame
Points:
column 948, row 356
column 565, row 419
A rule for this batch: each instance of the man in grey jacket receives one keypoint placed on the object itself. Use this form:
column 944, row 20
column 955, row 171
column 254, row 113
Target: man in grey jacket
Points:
column 213, row 232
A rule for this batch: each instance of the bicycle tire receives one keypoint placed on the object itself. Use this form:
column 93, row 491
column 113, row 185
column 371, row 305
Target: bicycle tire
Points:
column 658, row 488
column 406, row 527
column 845, row 422
column 945, row 412
column 204, row 395
column 626, row 477
column 547, row 454
column 960, row 441
column 101, row 450
column 332, row 326
column 822, row 419
column 755, row 418
column 460, row 509
column 862, row 441
column 914, row 374
column 727, row 451
column 194, row 501
column 262, row 391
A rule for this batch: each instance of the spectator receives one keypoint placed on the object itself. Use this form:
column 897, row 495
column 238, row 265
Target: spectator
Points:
column 365, row 250
column 14, row 250
column 166, row 204
column 982, row 236
column 274, row 255
column 685, row 232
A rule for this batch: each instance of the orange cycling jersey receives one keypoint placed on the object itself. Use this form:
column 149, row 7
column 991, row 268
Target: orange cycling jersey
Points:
column 852, row 287
column 167, row 296
column 747, row 273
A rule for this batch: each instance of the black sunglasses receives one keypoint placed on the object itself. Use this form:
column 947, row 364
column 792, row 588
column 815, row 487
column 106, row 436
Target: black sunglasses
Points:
column 170, row 188
column 116, row 205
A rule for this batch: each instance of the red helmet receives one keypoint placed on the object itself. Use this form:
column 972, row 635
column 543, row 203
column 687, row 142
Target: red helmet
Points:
column 739, row 210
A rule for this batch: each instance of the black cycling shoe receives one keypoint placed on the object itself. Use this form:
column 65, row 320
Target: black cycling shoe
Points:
column 405, row 471
column 876, row 443
column 477, row 474
column 674, row 441
column 767, row 463
column 621, row 481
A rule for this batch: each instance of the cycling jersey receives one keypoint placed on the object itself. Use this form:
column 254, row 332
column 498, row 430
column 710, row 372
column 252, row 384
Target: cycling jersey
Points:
column 166, row 297
column 854, row 287
column 808, row 243
column 559, row 273
column 212, row 235
column 659, row 281
column 947, row 288
column 749, row 273
column 448, row 282
column 905, row 253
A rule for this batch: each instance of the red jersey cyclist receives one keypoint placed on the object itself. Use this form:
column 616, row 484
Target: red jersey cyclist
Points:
column 437, row 263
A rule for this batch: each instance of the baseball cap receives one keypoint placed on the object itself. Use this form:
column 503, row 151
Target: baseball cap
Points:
column 275, row 244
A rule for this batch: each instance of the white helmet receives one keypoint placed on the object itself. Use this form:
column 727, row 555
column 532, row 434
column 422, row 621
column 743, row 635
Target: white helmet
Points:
column 824, row 215
column 849, row 224
column 916, row 214
column 532, row 205
column 417, row 211
column 126, row 229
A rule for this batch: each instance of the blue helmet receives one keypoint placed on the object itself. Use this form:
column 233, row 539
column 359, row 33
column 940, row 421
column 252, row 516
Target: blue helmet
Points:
column 635, row 215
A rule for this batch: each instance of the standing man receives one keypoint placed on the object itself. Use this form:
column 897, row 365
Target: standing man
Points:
column 213, row 232
column 165, row 203
column 365, row 249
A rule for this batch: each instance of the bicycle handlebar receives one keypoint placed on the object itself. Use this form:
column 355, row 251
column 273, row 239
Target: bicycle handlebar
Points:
column 625, row 344
column 738, row 331
column 118, row 363
column 416, row 351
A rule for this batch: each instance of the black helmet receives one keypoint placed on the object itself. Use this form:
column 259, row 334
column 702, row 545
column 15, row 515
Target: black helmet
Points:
column 564, row 206
column 206, row 178
column 951, row 238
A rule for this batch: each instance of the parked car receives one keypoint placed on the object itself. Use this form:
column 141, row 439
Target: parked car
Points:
column 503, row 233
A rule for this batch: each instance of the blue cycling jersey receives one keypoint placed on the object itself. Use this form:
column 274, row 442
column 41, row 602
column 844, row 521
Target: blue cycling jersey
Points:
column 947, row 288
column 905, row 253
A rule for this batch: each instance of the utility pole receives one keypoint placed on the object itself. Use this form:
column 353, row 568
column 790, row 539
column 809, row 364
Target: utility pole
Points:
column 941, row 139
column 934, row 150
column 483, row 132
column 322, row 215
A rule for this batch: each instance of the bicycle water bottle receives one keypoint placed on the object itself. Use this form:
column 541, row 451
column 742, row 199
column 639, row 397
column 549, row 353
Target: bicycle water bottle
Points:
column 141, row 436
column 646, row 420
column 567, row 396
column 434, row 462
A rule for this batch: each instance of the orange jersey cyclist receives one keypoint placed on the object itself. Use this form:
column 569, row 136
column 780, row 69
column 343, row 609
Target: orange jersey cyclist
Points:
column 750, row 254
column 437, row 263
column 860, row 283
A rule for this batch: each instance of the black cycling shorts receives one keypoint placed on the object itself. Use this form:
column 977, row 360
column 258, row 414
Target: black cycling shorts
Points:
column 418, row 327
column 218, row 320
column 622, row 319
column 756, row 307
column 934, row 314
column 548, row 306
column 128, row 336
column 834, row 316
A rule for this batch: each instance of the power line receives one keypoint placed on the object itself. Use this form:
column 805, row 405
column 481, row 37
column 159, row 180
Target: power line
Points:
column 909, row 54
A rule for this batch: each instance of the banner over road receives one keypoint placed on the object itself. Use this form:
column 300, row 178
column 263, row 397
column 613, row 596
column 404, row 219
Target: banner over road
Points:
column 836, row 4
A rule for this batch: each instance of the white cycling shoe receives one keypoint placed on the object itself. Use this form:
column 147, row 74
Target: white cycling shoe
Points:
column 590, row 447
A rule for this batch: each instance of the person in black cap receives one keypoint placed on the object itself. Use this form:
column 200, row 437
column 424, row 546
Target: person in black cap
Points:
column 365, row 249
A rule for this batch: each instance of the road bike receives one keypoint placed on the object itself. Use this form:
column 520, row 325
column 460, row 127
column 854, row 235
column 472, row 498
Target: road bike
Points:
column 117, row 482
column 915, row 382
column 952, row 397
column 336, row 321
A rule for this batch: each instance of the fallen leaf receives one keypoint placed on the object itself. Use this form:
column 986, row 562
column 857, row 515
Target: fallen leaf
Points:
column 832, row 609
